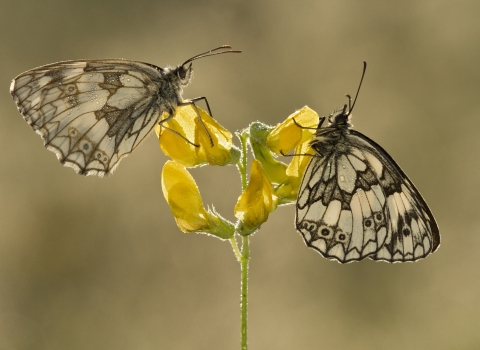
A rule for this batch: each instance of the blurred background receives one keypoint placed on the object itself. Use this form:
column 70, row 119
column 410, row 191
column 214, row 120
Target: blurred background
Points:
column 90, row 263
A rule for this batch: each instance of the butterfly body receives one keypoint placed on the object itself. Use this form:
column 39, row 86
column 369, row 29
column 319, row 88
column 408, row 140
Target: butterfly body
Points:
column 355, row 201
column 93, row 113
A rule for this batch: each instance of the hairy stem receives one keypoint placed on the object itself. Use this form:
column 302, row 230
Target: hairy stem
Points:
column 244, row 290
column 244, row 256
column 237, row 252
column 242, row 162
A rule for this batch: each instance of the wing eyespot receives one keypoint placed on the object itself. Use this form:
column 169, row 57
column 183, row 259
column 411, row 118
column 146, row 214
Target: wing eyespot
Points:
column 101, row 157
column 325, row 232
column 71, row 89
column 85, row 146
column 341, row 237
column 309, row 226
column 368, row 223
column 72, row 132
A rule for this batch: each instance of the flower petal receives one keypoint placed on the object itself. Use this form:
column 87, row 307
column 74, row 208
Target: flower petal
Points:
column 287, row 135
column 256, row 202
column 186, row 124
column 183, row 197
column 274, row 168
column 221, row 151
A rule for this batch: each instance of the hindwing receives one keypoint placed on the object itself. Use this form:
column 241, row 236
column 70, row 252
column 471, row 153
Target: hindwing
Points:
column 91, row 113
column 355, row 202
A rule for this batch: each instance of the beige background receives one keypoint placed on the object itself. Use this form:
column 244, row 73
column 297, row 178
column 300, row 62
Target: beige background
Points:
column 88, row 263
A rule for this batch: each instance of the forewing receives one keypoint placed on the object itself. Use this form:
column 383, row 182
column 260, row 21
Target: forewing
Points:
column 412, row 231
column 335, row 210
column 90, row 113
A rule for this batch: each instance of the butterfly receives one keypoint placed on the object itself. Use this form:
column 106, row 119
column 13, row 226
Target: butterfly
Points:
column 355, row 202
column 93, row 113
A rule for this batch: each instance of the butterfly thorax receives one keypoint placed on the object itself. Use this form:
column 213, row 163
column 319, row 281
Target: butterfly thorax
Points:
column 340, row 118
column 171, row 89
column 332, row 138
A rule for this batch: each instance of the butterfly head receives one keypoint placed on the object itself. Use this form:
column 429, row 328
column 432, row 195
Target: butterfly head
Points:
column 340, row 118
column 184, row 74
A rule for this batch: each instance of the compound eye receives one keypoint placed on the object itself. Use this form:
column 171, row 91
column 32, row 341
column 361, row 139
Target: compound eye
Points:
column 182, row 73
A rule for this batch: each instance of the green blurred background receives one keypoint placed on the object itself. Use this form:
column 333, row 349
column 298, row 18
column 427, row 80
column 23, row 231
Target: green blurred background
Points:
column 89, row 263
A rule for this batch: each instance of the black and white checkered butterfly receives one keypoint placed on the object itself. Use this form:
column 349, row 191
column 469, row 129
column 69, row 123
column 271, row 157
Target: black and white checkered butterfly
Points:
column 355, row 201
column 93, row 113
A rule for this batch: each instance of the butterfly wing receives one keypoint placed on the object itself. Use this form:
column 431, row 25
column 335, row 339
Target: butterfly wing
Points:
column 334, row 216
column 412, row 230
column 348, row 206
column 90, row 113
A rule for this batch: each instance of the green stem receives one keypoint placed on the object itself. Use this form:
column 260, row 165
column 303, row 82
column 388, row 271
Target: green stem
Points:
column 244, row 290
column 242, row 162
column 237, row 252
column 244, row 256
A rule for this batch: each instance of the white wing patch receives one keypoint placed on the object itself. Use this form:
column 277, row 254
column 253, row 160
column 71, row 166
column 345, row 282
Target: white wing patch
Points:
column 91, row 114
column 357, row 203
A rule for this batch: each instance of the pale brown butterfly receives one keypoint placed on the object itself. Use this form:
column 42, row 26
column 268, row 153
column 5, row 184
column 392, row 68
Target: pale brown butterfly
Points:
column 355, row 202
column 93, row 113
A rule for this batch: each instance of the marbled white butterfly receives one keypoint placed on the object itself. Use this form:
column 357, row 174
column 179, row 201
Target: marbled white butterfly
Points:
column 92, row 113
column 355, row 201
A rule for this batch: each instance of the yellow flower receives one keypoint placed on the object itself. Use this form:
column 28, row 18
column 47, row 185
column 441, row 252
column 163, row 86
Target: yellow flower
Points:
column 183, row 196
column 223, row 152
column 172, row 144
column 288, row 135
column 185, row 124
column 288, row 190
column 274, row 168
column 256, row 202
column 267, row 143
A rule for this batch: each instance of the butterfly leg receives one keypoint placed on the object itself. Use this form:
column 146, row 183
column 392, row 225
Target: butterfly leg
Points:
column 299, row 154
column 322, row 119
column 320, row 123
column 192, row 102
column 170, row 116
column 206, row 102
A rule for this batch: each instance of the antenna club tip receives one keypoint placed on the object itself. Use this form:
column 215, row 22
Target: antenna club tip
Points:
column 228, row 47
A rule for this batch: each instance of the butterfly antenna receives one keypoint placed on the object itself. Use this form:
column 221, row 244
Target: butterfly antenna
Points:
column 349, row 102
column 358, row 90
column 212, row 52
